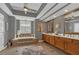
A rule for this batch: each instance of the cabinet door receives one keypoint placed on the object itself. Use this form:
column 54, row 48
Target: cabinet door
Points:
column 72, row 46
column 43, row 37
column 52, row 40
column 62, row 43
column 68, row 45
column 59, row 42
column 75, row 47
column 47, row 38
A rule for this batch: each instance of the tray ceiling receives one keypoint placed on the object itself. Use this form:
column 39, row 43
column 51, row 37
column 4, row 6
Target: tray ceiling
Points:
column 20, row 6
column 45, row 11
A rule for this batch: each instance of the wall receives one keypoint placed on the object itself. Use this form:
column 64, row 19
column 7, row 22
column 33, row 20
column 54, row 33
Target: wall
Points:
column 11, row 27
column 17, row 25
column 50, row 26
column 38, row 32
column 45, row 27
column 6, row 32
column 60, row 22
column 9, row 34
column 32, row 27
column 63, row 27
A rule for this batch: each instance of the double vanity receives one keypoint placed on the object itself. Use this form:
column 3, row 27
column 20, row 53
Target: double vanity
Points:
column 65, row 43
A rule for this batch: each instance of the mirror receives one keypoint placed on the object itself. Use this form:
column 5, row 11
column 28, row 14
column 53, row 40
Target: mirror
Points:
column 72, row 25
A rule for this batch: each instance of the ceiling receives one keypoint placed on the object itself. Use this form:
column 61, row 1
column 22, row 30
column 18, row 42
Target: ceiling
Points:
column 20, row 6
column 57, row 10
column 45, row 11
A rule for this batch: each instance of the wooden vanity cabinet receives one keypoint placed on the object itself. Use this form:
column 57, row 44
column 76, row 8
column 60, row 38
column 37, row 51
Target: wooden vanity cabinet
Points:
column 62, row 43
column 68, row 45
column 44, row 37
column 59, row 42
column 47, row 38
column 72, row 46
column 52, row 40
column 75, row 47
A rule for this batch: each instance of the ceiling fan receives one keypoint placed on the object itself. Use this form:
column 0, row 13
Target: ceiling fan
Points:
column 26, row 9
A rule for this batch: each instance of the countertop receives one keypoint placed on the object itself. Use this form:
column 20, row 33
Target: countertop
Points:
column 52, row 34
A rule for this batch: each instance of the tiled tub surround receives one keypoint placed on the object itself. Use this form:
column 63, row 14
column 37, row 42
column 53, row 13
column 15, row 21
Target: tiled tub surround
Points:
column 66, row 43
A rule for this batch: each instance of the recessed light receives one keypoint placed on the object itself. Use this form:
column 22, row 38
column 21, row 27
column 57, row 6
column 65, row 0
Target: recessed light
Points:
column 54, row 16
column 66, row 10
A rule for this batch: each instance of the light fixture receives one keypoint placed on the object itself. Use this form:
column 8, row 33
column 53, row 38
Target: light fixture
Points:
column 25, row 10
column 57, row 25
column 54, row 16
column 65, row 10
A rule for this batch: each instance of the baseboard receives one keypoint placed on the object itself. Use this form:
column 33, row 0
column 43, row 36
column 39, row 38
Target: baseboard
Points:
column 3, row 48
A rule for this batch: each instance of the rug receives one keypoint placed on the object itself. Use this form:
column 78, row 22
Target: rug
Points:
column 36, row 50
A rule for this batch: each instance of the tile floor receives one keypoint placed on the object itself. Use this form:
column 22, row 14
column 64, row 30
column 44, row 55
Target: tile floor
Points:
column 33, row 49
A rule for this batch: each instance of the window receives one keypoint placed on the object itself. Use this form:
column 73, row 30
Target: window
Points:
column 76, row 27
column 25, row 26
